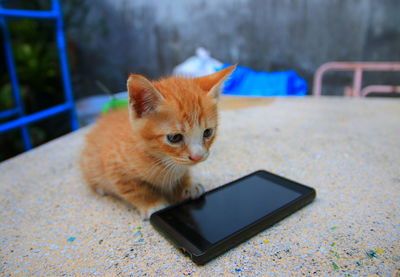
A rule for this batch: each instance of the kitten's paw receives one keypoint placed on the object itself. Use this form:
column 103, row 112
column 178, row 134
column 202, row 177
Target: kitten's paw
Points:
column 146, row 213
column 193, row 191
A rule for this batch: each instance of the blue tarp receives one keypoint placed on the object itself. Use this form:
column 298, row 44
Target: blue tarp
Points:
column 247, row 82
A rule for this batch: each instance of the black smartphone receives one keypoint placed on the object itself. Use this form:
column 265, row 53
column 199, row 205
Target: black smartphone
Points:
column 224, row 217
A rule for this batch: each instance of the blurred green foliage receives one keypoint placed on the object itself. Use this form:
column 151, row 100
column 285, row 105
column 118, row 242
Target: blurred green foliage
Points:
column 36, row 60
column 37, row 63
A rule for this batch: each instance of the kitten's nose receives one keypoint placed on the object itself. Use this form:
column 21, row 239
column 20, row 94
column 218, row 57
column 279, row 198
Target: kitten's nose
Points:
column 195, row 158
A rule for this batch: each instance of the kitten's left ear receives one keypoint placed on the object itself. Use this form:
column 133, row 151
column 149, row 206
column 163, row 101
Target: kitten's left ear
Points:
column 213, row 83
column 143, row 96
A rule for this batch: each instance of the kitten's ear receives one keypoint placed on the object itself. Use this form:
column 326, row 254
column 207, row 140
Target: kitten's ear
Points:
column 143, row 96
column 213, row 83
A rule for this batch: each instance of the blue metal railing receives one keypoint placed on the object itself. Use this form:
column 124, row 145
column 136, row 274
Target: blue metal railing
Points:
column 68, row 106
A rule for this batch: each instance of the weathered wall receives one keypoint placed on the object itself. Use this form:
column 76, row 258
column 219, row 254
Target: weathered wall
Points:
column 151, row 36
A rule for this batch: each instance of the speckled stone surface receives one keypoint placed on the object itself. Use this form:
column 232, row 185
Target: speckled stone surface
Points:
column 348, row 149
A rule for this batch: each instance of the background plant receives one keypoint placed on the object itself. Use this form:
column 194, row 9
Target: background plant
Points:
column 37, row 62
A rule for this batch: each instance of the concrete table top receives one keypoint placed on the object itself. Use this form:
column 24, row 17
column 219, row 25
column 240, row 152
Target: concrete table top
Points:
column 51, row 224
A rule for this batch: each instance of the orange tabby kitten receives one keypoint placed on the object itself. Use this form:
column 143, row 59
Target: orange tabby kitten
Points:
column 143, row 154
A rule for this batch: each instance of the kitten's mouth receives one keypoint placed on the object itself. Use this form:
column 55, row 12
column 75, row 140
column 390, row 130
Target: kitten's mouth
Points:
column 185, row 162
column 188, row 161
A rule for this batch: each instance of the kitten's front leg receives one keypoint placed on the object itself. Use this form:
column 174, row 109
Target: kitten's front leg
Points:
column 146, row 199
column 186, row 189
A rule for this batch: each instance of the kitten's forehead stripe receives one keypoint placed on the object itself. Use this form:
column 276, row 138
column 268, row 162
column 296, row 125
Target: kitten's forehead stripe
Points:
column 201, row 113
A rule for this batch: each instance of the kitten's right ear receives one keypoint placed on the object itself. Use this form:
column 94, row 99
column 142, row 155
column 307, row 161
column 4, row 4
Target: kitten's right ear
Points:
column 213, row 83
column 143, row 96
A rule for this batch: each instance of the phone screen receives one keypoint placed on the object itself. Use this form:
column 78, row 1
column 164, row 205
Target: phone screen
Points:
column 225, row 211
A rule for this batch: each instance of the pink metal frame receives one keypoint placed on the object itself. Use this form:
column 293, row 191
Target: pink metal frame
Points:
column 380, row 89
column 358, row 68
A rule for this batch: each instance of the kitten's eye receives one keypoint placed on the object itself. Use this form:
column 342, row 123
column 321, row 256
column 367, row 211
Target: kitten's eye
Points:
column 207, row 133
column 175, row 138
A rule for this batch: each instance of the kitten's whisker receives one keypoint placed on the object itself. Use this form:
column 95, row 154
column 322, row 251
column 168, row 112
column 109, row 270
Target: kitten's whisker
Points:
column 169, row 163
column 158, row 168
column 172, row 175
column 181, row 159
column 152, row 170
